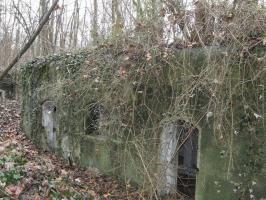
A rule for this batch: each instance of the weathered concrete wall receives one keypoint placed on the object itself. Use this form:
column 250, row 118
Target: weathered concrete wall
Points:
column 231, row 166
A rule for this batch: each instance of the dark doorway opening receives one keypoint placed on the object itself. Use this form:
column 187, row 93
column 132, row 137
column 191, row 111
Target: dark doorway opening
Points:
column 187, row 150
column 92, row 120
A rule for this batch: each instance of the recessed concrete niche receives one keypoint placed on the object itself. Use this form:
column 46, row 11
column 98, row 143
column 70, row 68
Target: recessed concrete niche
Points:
column 93, row 118
column 2, row 96
column 49, row 123
column 8, row 86
column 178, row 159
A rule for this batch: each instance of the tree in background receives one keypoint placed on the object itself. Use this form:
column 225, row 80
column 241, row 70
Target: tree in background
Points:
column 95, row 29
column 151, row 22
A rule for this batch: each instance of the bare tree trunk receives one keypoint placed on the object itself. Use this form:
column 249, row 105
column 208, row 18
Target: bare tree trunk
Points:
column 157, row 22
column 51, row 32
column 139, row 10
column 62, row 31
column 44, row 38
column 76, row 25
column 94, row 32
column 84, row 34
column 117, row 19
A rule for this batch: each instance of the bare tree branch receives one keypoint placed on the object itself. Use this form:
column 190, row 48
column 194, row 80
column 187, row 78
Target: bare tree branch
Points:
column 24, row 49
column 23, row 22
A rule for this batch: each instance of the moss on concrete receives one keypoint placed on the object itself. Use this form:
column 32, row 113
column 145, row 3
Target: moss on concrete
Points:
column 186, row 84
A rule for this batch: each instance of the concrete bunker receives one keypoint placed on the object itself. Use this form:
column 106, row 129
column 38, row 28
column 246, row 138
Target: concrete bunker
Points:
column 179, row 159
column 118, row 152
column 49, row 123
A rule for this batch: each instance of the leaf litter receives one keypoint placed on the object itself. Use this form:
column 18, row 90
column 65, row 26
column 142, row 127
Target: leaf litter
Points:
column 29, row 173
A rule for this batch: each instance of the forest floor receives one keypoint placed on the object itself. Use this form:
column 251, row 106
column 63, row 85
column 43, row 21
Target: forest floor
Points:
column 28, row 173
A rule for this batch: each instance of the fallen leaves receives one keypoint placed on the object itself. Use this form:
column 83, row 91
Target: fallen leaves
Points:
column 148, row 56
column 27, row 173
column 4, row 145
column 15, row 190
column 122, row 71
column 10, row 119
